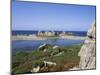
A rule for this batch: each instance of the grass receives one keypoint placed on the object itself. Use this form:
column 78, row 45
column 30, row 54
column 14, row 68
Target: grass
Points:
column 23, row 62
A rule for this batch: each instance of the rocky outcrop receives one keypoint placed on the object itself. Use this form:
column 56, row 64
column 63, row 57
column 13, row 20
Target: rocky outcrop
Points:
column 45, row 64
column 88, row 51
column 49, row 63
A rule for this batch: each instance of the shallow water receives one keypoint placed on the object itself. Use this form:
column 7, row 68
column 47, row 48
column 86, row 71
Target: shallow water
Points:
column 29, row 45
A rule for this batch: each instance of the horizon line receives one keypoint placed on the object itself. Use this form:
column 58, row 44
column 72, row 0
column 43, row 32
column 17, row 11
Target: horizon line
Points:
column 47, row 30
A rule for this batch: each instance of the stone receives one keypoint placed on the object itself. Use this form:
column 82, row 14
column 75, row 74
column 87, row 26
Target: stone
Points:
column 35, row 69
column 55, row 47
column 49, row 63
column 88, row 51
column 42, row 46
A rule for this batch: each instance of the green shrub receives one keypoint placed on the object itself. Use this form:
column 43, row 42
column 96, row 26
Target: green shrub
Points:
column 38, row 63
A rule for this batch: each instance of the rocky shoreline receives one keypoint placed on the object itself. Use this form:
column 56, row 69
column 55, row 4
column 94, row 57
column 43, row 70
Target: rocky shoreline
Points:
column 34, row 37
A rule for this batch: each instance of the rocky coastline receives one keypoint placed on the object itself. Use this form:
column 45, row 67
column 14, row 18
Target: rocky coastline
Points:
column 34, row 37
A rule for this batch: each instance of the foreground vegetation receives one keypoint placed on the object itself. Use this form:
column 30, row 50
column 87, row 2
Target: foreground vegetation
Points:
column 65, row 57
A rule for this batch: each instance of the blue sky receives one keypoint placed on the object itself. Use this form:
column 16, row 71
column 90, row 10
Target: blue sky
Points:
column 49, row 16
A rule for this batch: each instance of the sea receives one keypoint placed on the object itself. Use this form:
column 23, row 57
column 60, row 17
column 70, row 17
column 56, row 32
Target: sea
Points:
column 76, row 33
column 30, row 45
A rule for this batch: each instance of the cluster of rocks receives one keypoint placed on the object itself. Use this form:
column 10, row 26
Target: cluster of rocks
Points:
column 55, row 50
column 47, row 33
column 53, row 33
column 45, row 64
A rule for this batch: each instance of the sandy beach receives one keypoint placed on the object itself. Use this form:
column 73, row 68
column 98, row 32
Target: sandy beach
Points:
column 33, row 37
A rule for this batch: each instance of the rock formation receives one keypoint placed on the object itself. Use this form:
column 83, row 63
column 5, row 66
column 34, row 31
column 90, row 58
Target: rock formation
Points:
column 88, row 51
column 35, row 69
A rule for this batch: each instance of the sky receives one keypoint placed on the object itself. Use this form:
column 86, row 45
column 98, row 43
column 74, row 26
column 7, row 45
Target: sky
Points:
column 51, row 16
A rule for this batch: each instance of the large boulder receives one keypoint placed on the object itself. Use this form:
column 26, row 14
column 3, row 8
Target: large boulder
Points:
column 88, row 51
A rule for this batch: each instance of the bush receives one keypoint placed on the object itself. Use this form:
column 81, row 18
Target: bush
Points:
column 38, row 63
column 23, row 68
